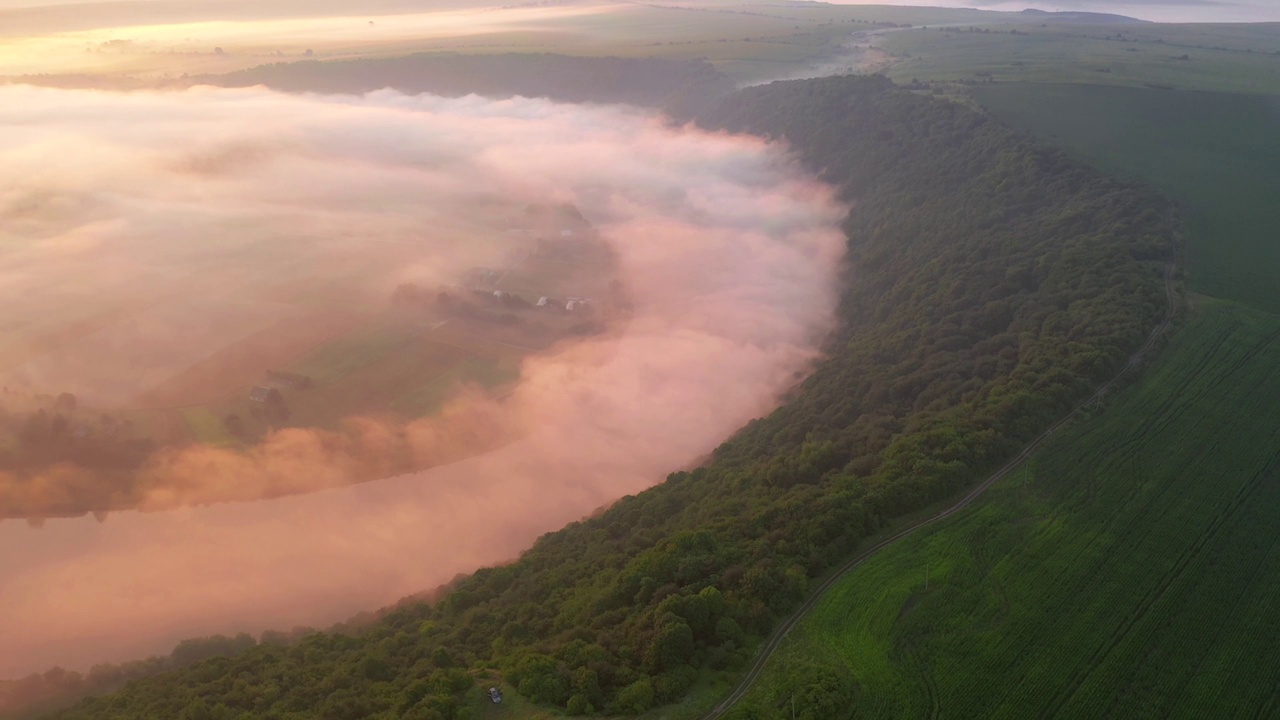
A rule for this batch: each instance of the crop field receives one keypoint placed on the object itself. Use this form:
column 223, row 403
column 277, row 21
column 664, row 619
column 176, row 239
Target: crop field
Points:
column 1131, row 569
column 1169, row 56
column 1217, row 154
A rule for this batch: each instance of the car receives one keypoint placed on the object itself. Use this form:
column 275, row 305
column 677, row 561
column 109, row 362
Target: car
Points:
column 495, row 694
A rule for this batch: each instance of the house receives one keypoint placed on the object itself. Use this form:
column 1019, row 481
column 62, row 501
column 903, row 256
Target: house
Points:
column 259, row 394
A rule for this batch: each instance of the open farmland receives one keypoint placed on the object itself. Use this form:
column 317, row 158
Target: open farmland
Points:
column 1217, row 154
column 1242, row 59
column 1124, row 572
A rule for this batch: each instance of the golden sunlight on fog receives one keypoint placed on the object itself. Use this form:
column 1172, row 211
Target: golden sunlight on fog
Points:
column 221, row 46
column 728, row 251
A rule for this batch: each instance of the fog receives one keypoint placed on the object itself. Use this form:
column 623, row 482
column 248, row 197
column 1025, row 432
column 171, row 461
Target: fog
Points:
column 728, row 251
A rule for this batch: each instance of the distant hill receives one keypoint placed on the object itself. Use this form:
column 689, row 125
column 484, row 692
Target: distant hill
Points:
column 1082, row 18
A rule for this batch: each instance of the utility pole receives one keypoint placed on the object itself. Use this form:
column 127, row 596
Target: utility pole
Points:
column 793, row 706
column 926, row 572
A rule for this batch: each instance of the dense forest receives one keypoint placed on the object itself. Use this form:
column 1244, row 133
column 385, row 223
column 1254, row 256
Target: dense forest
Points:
column 677, row 86
column 990, row 284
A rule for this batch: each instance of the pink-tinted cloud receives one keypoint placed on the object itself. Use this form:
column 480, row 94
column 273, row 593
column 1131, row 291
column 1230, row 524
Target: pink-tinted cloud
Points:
column 729, row 254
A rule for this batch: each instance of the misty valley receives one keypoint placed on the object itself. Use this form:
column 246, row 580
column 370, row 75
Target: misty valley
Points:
column 698, row 361
column 114, row 387
column 461, row 300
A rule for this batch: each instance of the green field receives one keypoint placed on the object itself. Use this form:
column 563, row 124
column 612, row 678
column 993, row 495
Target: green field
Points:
column 1130, row 570
column 1216, row 154
column 429, row 397
column 1242, row 59
column 361, row 348
column 206, row 427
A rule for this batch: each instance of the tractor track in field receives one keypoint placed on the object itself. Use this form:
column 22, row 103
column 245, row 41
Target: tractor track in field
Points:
column 775, row 640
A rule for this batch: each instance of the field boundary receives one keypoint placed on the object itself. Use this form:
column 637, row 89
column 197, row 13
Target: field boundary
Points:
column 775, row 641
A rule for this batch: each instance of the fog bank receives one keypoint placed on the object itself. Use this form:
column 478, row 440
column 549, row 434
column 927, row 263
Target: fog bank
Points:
column 729, row 254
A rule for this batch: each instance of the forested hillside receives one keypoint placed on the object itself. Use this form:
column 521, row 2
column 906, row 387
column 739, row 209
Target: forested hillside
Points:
column 677, row 86
column 990, row 284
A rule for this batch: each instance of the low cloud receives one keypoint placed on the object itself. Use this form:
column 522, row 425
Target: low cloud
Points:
column 728, row 252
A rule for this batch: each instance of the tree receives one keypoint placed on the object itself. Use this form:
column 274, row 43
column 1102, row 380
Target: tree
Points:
column 275, row 407
column 35, row 429
column 234, row 425
column 634, row 699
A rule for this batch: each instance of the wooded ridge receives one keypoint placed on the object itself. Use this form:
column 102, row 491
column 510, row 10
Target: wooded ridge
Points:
column 990, row 284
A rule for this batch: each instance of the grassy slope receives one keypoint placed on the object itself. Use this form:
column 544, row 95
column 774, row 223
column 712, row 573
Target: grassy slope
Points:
column 1130, row 570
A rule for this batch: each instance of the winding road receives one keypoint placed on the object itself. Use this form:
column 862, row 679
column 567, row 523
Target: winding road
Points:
column 775, row 641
